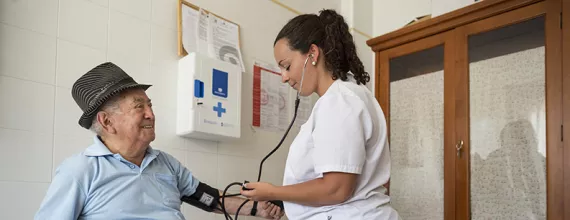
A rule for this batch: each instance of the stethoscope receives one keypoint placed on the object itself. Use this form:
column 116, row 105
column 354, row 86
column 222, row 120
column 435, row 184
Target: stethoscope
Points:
column 297, row 101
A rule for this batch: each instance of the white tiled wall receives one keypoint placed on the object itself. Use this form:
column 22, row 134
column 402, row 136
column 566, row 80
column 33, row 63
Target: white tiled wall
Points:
column 45, row 45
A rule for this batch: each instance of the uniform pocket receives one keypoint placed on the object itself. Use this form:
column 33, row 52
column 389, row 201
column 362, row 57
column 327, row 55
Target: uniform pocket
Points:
column 168, row 186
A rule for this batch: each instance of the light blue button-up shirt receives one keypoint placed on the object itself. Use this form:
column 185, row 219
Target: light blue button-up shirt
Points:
column 97, row 184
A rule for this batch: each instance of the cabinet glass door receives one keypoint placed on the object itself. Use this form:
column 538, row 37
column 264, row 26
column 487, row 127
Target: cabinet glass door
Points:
column 413, row 77
column 416, row 134
column 507, row 113
column 509, row 162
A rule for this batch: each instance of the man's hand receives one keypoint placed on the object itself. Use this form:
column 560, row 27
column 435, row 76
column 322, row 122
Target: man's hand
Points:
column 269, row 210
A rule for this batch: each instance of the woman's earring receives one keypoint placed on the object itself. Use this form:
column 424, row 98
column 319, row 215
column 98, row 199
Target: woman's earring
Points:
column 314, row 62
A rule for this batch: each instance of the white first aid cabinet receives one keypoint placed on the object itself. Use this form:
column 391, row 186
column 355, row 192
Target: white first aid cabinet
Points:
column 208, row 99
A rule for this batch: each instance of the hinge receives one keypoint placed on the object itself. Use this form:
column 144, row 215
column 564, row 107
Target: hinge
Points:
column 562, row 133
column 560, row 20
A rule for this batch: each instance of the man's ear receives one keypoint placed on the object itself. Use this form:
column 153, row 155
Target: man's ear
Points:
column 106, row 122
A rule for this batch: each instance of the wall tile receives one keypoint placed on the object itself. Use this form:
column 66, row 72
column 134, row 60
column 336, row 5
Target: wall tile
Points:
column 36, row 15
column 164, row 13
column 104, row 3
column 26, row 105
column 200, row 145
column 83, row 22
column 236, row 169
column 258, row 145
column 74, row 60
column 392, row 15
column 273, row 169
column 203, row 166
column 24, row 199
column 315, row 7
column 140, row 9
column 164, row 78
column 30, row 156
column 27, row 55
column 67, row 114
column 363, row 16
column 129, row 37
column 164, row 47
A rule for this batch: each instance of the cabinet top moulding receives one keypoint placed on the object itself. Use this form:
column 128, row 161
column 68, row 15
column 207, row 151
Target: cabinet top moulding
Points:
column 475, row 12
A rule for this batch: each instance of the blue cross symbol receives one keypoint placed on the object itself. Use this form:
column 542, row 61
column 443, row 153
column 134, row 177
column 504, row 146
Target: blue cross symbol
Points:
column 219, row 109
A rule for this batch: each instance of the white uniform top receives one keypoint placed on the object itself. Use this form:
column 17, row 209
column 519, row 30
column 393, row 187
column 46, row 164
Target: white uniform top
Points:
column 346, row 132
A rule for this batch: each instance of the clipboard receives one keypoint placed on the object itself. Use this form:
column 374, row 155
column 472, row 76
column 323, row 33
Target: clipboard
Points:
column 183, row 3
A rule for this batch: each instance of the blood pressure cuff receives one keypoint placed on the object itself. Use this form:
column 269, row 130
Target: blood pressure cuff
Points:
column 205, row 198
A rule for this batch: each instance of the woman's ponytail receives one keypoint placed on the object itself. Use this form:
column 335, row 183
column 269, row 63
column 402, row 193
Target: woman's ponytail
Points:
column 329, row 32
column 339, row 48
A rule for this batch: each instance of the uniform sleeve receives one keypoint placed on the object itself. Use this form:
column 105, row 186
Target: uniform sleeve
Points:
column 341, row 130
column 187, row 183
column 64, row 199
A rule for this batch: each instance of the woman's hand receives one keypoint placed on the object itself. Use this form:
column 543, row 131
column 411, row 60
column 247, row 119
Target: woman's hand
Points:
column 259, row 191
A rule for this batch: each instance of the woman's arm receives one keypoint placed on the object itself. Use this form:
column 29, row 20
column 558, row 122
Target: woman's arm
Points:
column 333, row 188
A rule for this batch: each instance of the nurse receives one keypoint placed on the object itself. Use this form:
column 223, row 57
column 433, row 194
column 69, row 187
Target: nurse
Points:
column 340, row 160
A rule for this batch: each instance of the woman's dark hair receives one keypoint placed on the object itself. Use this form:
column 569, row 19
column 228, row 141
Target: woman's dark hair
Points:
column 329, row 32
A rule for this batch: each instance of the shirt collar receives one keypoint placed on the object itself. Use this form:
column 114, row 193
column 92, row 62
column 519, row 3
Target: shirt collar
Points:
column 98, row 149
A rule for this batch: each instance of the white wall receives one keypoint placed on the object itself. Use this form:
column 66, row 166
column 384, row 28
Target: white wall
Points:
column 392, row 15
column 439, row 7
column 47, row 44
column 379, row 17
column 372, row 18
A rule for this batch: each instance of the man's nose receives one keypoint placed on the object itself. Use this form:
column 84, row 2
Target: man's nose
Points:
column 149, row 114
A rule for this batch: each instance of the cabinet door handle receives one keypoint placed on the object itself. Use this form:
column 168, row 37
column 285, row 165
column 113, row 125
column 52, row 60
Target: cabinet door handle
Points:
column 459, row 146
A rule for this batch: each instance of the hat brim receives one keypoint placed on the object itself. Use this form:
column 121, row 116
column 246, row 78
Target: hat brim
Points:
column 87, row 117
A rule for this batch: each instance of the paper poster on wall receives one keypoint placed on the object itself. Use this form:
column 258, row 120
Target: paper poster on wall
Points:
column 270, row 98
column 190, row 29
column 208, row 34
column 224, row 41
column 203, row 32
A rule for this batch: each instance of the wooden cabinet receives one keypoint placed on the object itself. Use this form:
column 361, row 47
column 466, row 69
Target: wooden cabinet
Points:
column 476, row 100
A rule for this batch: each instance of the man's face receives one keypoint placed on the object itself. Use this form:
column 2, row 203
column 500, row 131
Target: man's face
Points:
column 135, row 120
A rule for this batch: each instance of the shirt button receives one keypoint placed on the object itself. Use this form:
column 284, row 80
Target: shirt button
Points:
column 132, row 166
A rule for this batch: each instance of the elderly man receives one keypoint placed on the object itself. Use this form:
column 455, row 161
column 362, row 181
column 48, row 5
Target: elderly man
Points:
column 120, row 176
